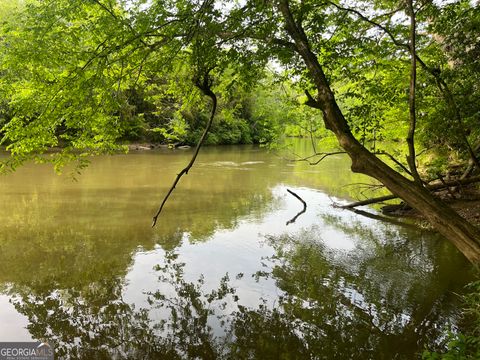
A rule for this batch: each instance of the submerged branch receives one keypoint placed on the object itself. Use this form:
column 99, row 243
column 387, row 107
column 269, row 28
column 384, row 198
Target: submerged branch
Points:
column 381, row 218
column 205, row 86
column 368, row 201
column 292, row 220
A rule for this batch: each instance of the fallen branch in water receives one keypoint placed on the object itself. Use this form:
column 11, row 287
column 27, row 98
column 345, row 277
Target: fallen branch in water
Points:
column 433, row 187
column 368, row 201
column 292, row 220
column 205, row 86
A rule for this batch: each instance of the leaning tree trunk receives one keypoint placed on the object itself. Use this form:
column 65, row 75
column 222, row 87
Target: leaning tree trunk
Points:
column 460, row 232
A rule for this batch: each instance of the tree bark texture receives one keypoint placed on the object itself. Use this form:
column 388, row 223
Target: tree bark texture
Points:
column 460, row 232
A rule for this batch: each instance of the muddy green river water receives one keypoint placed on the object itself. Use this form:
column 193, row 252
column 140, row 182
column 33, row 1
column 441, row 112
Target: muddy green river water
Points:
column 222, row 275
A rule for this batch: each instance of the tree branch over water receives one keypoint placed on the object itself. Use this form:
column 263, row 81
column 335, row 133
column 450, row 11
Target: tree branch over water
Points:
column 433, row 187
column 292, row 220
column 322, row 155
column 205, row 85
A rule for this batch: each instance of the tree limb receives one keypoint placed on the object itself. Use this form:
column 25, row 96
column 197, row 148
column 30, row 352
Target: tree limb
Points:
column 371, row 22
column 204, row 84
column 391, row 157
column 434, row 187
column 311, row 101
column 324, row 155
column 368, row 201
column 435, row 73
column 292, row 220
column 382, row 218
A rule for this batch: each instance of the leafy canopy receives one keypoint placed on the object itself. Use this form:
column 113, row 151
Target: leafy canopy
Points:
column 73, row 74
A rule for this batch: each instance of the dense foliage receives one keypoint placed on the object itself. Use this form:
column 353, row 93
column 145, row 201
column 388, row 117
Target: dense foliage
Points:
column 89, row 75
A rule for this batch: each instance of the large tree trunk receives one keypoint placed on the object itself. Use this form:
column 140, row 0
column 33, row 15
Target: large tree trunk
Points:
column 460, row 232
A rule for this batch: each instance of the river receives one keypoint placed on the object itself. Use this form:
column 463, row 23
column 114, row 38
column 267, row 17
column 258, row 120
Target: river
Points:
column 225, row 274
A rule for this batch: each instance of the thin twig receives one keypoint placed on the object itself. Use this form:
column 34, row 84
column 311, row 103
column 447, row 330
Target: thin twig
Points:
column 322, row 155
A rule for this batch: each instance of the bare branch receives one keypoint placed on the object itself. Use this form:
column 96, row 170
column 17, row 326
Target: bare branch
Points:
column 322, row 155
column 383, row 218
column 368, row 201
column 204, row 84
column 391, row 157
column 292, row 220
column 433, row 187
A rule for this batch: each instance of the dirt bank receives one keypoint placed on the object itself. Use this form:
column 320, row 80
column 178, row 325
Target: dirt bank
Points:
column 466, row 201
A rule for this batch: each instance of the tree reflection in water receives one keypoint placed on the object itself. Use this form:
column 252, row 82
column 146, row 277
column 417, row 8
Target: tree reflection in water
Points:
column 383, row 300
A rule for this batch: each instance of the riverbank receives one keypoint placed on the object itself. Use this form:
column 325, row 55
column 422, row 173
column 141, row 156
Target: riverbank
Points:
column 143, row 146
column 469, row 209
column 465, row 201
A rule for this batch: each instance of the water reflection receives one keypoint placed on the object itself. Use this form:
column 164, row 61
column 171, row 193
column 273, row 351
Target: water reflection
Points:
column 374, row 300
column 222, row 277
column 328, row 304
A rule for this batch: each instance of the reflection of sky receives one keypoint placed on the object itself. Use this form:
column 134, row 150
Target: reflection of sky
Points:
column 243, row 250
column 38, row 203
column 12, row 324
column 348, row 241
